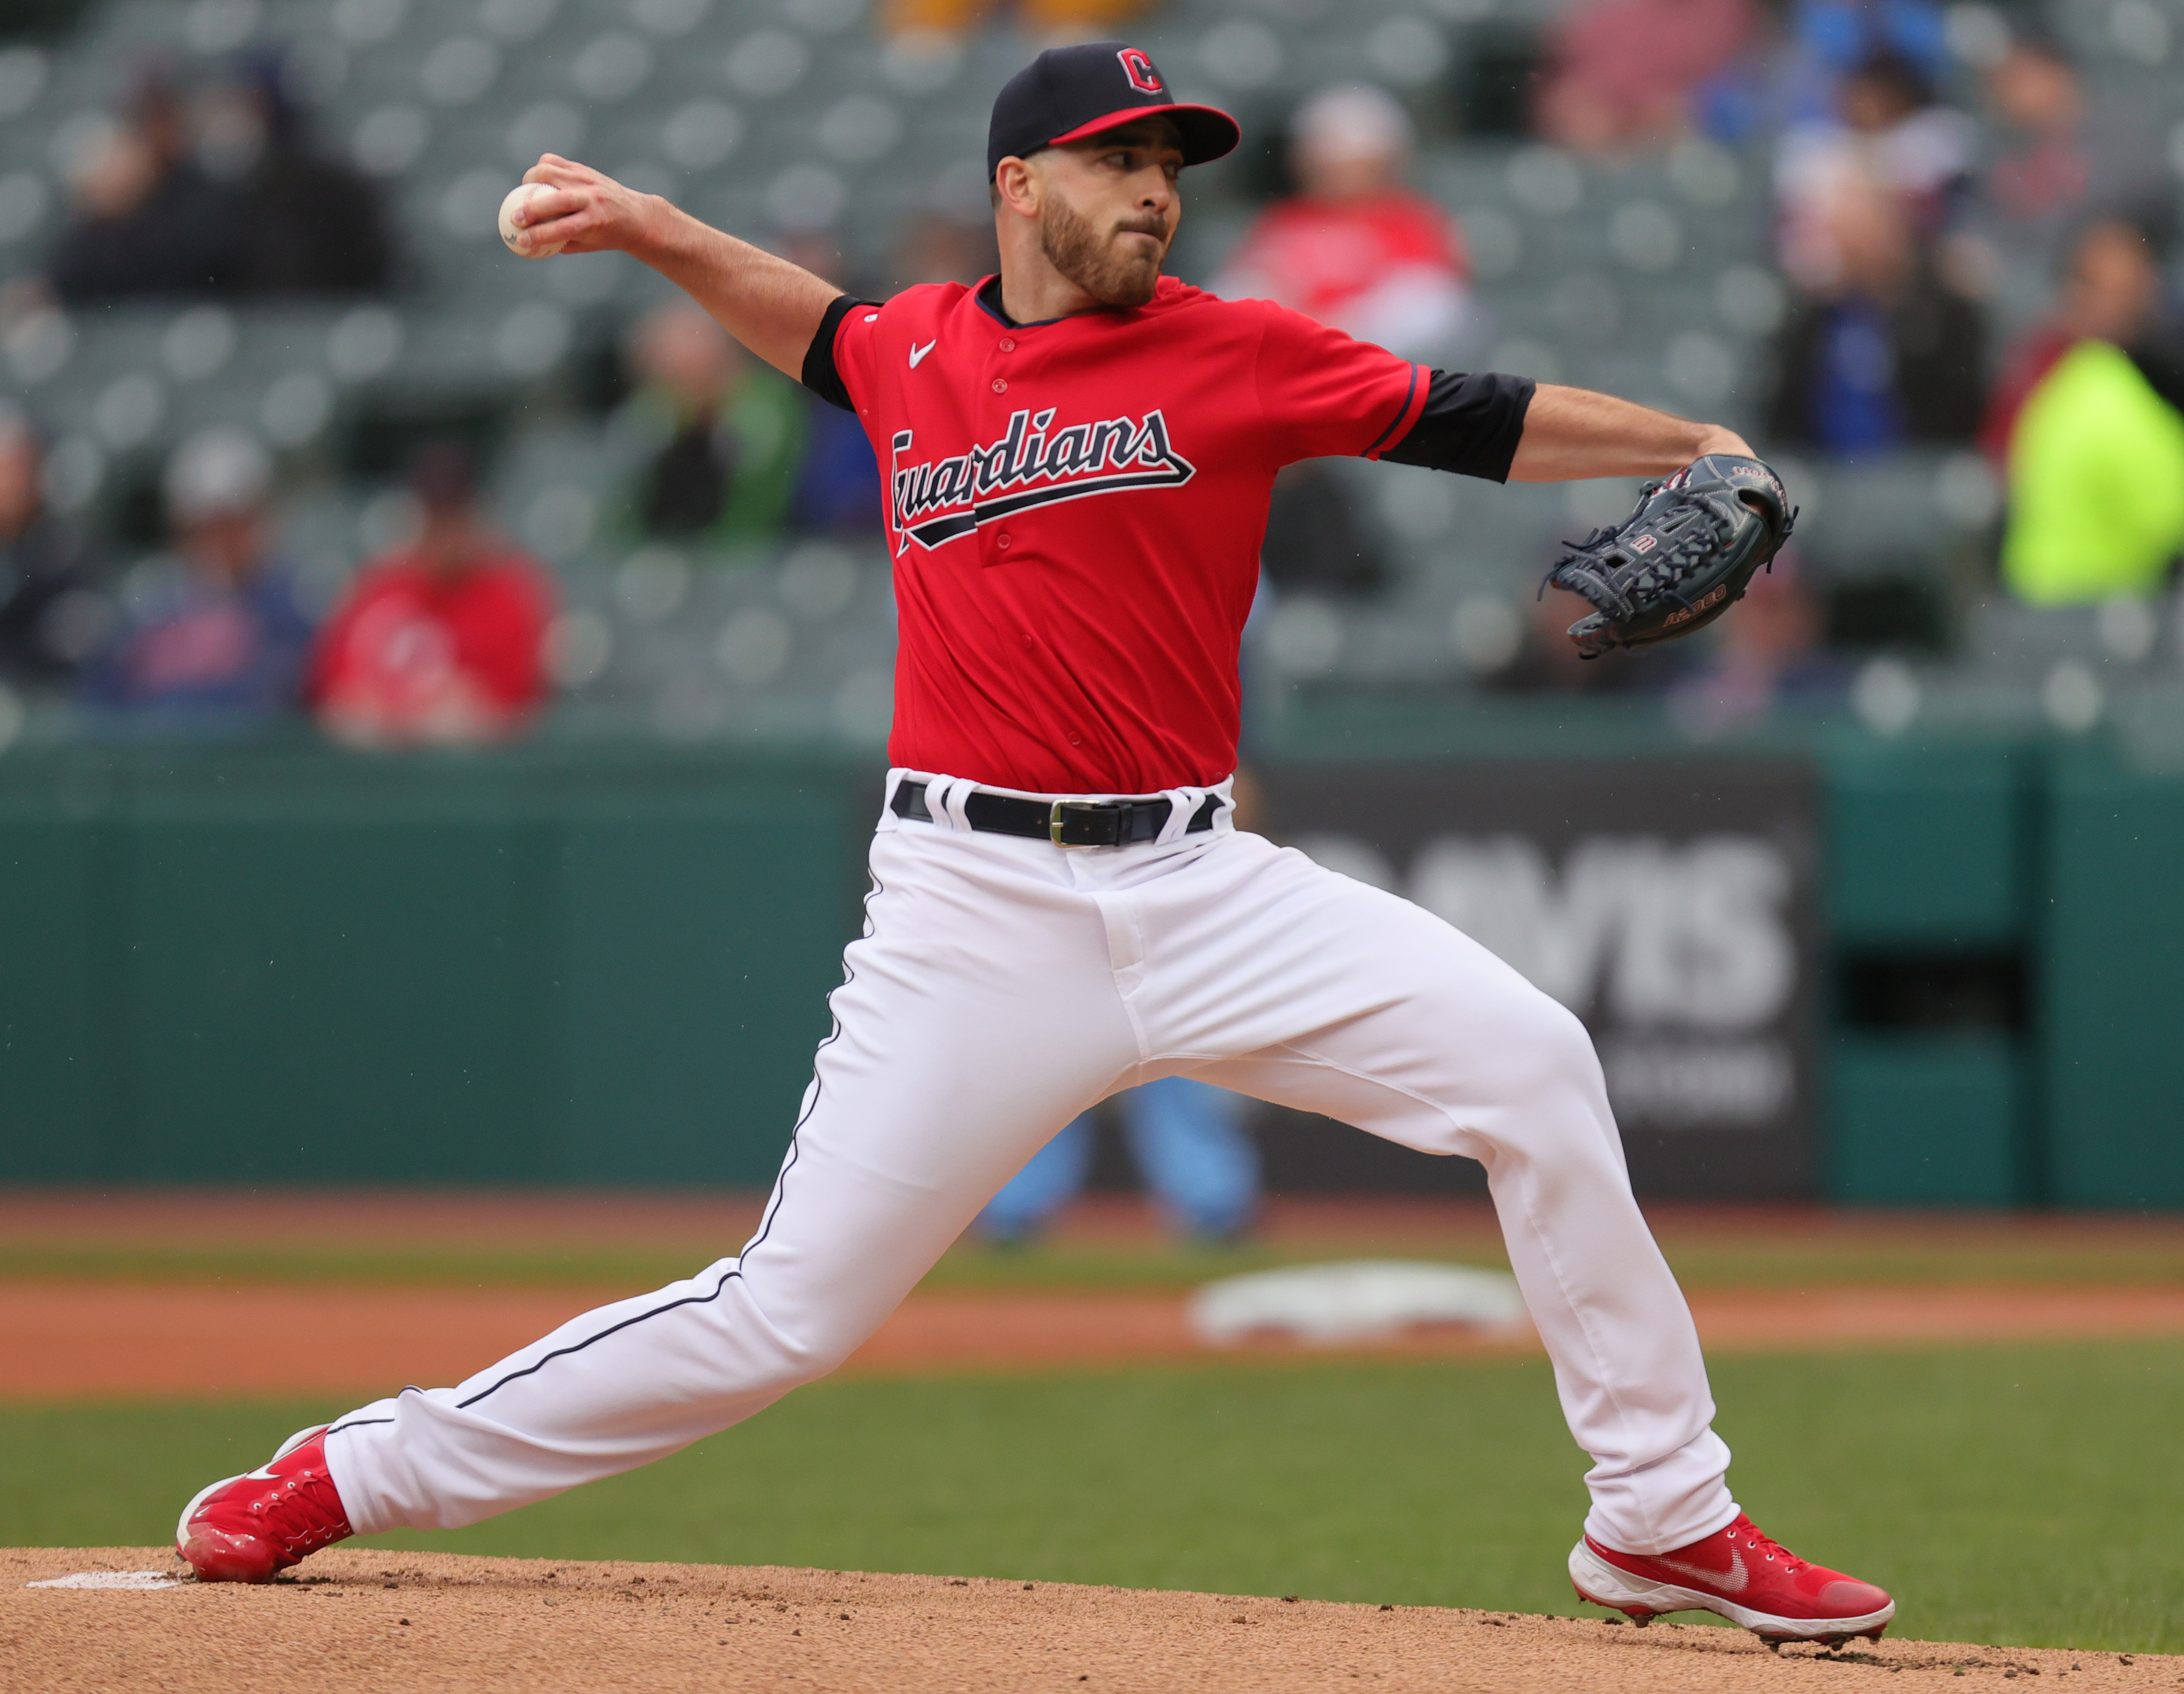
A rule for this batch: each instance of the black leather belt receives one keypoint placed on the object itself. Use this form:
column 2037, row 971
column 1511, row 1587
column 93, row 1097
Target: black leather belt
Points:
column 1066, row 823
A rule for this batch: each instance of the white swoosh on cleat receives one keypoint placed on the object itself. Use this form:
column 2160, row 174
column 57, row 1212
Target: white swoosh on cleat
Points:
column 1734, row 1580
column 919, row 352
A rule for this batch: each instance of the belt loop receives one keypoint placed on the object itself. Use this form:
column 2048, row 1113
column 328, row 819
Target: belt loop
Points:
column 945, row 798
column 1181, row 807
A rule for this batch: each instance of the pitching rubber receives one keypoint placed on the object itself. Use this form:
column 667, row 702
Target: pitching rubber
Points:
column 1603, row 1584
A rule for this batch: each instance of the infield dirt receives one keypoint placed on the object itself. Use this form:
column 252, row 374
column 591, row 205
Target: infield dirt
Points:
column 372, row 1621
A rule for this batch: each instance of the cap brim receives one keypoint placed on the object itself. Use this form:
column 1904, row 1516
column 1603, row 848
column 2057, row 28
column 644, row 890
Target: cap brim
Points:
column 1208, row 132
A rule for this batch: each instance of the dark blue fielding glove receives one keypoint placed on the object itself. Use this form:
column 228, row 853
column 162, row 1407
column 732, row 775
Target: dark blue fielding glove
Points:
column 1681, row 559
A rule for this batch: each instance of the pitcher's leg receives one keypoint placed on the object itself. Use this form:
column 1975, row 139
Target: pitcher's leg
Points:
column 1403, row 1026
column 936, row 1084
column 637, row 1381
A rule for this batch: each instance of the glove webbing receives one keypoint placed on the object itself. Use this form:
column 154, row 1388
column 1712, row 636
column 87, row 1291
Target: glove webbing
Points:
column 1660, row 572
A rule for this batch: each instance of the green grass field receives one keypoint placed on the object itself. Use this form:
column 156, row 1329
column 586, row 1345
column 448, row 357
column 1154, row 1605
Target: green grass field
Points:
column 2024, row 1496
column 1706, row 1259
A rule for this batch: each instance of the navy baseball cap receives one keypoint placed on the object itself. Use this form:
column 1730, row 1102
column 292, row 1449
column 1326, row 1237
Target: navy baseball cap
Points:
column 1068, row 93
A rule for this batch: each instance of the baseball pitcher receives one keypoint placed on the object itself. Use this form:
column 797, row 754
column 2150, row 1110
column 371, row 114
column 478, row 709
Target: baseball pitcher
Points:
column 1077, row 454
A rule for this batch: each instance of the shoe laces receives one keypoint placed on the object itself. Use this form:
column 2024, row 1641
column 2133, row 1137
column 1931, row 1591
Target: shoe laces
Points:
column 1752, row 1538
column 309, row 1496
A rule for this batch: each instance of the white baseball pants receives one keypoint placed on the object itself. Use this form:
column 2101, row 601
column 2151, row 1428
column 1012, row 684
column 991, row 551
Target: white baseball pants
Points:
column 1003, row 985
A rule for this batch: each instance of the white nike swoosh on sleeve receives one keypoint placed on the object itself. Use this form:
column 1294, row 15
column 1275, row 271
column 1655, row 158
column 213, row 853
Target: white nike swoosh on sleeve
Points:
column 918, row 353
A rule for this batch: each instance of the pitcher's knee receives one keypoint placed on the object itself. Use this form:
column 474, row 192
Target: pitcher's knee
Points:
column 1544, row 1071
column 776, row 1354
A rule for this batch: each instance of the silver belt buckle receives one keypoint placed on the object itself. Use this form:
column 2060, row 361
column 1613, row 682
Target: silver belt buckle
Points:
column 1054, row 824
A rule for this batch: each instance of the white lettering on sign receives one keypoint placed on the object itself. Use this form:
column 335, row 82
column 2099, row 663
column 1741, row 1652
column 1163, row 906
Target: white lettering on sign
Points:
column 1698, row 1085
column 1666, row 943
column 1653, row 932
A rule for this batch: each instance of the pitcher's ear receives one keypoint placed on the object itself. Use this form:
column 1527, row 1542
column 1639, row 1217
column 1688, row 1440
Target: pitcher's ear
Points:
column 1017, row 185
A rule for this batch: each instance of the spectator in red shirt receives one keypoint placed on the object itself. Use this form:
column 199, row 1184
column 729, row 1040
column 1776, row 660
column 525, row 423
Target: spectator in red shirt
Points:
column 1355, row 248
column 442, row 640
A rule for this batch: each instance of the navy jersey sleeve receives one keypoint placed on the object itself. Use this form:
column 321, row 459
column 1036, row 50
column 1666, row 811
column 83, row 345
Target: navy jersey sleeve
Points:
column 1471, row 424
column 822, row 376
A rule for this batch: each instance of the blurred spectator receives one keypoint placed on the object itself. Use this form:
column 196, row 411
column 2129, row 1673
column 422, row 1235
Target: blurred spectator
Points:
column 1060, row 19
column 1547, row 661
column 1767, row 651
column 50, row 613
column 1887, row 130
column 1624, row 73
column 149, row 219
column 1354, row 248
column 2113, row 293
column 723, row 438
column 938, row 249
column 1792, row 74
column 227, row 198
column 2061, row 156
column 1316, row 538
column 220, row 630
column 1184, row 1136
column 442, row 640
column 2096, row 483
column 838, row 487
column 840, row 479
column 308, row 224
column 2090, row 424
column 1837, row 35
column 1887, row 354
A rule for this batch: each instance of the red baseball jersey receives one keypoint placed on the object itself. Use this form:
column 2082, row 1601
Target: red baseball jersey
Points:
column 1075, row 509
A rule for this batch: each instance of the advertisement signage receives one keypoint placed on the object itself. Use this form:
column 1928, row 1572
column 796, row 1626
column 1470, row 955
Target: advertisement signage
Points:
column 1670, row 903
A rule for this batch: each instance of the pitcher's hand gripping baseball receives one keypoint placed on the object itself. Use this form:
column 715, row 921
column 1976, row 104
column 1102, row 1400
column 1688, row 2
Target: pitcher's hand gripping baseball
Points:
column 1681, row 558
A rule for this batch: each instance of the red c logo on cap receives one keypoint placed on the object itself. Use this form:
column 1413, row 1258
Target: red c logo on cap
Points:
column 1140, row 69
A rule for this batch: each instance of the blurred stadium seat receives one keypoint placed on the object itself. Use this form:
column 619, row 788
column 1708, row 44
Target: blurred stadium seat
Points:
column 800, row 120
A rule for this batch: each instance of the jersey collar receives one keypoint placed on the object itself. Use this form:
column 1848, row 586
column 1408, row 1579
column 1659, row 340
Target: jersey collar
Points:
column 987, row 294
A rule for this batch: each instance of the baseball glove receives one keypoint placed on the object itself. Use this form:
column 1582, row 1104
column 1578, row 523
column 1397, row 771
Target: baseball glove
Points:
column 1679, row 559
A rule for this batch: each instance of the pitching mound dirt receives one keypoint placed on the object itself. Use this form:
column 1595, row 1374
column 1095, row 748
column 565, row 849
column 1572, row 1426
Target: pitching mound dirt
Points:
column 366, row 1621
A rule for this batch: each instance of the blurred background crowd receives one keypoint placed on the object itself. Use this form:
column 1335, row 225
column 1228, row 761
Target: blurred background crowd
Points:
column 287, row 433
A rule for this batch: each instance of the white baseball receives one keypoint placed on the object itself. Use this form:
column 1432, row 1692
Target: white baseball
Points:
column 519, row 195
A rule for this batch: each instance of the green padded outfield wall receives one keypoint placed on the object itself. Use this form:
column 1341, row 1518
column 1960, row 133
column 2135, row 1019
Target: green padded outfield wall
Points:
column 1929, row 854
column 2112, row 984
column 591, row 963
column 291, row 965
column 1927, row 845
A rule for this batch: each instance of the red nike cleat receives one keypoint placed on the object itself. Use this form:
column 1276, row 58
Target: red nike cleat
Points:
column 1741, row 1575
column 245, row 1529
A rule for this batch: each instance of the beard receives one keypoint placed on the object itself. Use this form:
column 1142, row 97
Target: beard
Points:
column 1111, row 275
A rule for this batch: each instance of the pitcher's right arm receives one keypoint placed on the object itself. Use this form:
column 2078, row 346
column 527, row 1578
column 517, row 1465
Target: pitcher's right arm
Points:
column 772, row 307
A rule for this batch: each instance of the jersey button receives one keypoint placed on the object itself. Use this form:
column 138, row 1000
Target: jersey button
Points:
column 1003, row 542
column 1008, row 344
column 1001, row 385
